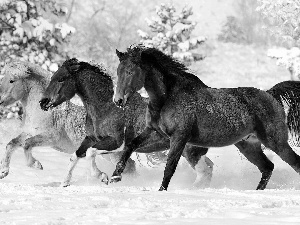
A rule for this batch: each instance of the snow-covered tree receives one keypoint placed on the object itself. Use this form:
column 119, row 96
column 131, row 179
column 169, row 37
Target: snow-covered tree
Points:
column 284, row 15
column 289, row 58
column 171, row 32
column 30, row 31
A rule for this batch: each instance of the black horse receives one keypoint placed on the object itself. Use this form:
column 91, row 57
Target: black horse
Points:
column 108, row 126
column 180, row 108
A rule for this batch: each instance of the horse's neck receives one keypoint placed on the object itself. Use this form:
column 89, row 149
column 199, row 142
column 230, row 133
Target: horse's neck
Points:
column 156, row 89
column 95, row 96
column 30, row 101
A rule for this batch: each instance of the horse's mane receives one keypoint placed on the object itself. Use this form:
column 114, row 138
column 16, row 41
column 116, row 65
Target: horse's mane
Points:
column 162, row 61
column 95, row 67
column 21, row 69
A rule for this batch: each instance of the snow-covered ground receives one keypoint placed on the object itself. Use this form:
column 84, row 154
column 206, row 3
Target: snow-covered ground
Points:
column 29, row 196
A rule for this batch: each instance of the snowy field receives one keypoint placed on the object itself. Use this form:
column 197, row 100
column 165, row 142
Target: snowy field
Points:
column 30, row 196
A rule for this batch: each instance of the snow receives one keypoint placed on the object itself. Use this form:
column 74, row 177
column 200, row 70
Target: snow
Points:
column 31, row 196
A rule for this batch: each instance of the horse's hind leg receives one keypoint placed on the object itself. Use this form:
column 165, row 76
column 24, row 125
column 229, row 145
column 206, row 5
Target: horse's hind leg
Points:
column 203, row 166
column 277, row 141
column 287, row 154
column 253, row 152
column 35, row 141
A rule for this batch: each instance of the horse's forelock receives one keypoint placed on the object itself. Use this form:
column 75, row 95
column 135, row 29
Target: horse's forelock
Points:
column 93, row 66
column 71, row 62
column 134, row 52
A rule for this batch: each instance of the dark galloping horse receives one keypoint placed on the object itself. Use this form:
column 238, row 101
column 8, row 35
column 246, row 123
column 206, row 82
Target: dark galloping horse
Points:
column 183, row 110
column 108, row 126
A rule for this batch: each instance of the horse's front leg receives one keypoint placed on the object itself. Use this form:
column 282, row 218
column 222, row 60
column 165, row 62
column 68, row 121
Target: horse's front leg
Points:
column 177, row 143
column 86, row 143
column 128, row 150
column 108, row 143
column 95, row 172
column 10, row 148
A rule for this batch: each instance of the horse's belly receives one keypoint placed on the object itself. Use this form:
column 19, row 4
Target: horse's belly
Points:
column 35, row 128
column 220, row 142
column 219, row 137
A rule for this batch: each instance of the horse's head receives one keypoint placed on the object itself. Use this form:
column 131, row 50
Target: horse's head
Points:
column 13, row 86
column 131, row 77
column 62, row 85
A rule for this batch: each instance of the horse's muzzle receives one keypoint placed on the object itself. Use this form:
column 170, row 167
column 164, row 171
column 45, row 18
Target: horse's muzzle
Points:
column 45, row 104
column 119, row 103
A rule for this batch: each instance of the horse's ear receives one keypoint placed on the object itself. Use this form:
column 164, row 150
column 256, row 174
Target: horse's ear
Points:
column 30, row 72
column 75, row 67
column 120, row 55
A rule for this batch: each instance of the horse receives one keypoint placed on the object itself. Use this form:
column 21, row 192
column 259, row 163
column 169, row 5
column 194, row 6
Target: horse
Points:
column 108, row 126
column 61, row 128
column 181, row 109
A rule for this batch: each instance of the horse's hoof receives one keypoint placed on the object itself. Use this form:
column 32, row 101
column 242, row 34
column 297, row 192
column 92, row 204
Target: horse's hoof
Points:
column 264, row 180
column 73, row 157
column 65, row 184
column 104, row 178
column 4, row 173
column 162, row 188
column 115, row 179
column 36, row 165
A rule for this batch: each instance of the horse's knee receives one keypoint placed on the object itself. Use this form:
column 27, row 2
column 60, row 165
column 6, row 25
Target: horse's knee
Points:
column 80, row 153
column 208, row 162
column 27, row 146
column 73, row 157
column 13, row 143
column 204, row 165
column 91, row 153
column 193, row 154
column 130, row 166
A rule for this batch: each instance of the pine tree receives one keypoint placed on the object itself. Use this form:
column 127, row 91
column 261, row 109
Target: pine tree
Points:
column 171, row 33
column 27, row 35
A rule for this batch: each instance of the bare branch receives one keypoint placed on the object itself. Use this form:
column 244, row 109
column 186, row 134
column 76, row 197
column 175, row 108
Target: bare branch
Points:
column 7, row 24
column 71, row 9
column 99, row 10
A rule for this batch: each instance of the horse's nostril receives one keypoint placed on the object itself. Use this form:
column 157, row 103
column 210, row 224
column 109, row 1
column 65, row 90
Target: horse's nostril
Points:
column 119, row 103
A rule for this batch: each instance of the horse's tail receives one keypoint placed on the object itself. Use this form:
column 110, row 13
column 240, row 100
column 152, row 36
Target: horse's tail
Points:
column 288, row 95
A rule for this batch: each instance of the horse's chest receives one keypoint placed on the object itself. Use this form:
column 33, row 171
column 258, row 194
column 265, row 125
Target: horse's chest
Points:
column 104, row 125
column 170, row 119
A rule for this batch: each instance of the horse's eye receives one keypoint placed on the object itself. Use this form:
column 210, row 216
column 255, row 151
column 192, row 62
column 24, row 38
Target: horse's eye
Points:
column 11, row 81
column 62, row 79
column 128, row 73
